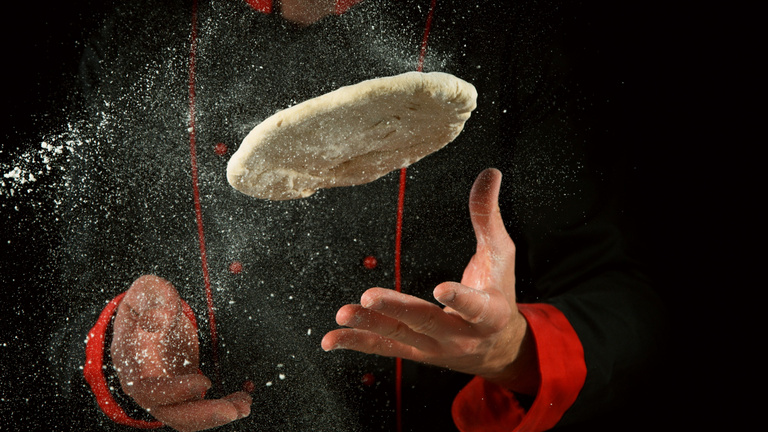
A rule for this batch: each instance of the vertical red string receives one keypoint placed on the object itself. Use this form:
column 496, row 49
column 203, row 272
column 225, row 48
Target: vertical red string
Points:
column 196, row 196
column 198, row 210
column 427, row 27
column 398, row 288
column 399, row 232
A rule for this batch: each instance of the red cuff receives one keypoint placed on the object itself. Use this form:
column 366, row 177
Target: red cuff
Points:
column 261, row 5
column 266, row 6
column 482, row 406
column 343, row 5
column 94, row 366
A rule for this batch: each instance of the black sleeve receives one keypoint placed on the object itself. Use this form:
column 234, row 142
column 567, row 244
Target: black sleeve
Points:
column 575, row 245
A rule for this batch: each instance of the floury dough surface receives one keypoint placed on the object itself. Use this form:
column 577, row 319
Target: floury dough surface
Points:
column 352, row 135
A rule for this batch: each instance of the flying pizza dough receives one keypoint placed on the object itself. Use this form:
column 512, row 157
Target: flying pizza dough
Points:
column 352, row 135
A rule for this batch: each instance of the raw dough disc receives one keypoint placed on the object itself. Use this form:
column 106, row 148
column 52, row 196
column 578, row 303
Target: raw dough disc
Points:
column 352, row 135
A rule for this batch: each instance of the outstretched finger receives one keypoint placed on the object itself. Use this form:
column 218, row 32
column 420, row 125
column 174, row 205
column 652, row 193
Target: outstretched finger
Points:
column 358, row 317
column 204, row 414
column 419, row 315
column 484, row 209
column 369, row 343
column 165, row 390
column 479, row 307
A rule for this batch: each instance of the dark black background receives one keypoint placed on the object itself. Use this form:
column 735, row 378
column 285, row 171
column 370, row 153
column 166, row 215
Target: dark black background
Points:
column 672, row 58
column 41, row 47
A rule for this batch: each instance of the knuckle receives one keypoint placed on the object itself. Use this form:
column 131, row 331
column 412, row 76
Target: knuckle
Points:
column 478, row 311
column 397, row 332
column 426, row 326
column 469, row 347
column 480, row 317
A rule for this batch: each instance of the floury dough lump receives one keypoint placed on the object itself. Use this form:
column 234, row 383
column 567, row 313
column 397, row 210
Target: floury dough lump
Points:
column 352, row 135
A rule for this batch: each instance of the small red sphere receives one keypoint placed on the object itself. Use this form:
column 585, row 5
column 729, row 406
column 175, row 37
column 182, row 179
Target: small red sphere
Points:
column 249, row 386
column 368, row 379
column 370, row 262
column 236, row 267
column 220, row 149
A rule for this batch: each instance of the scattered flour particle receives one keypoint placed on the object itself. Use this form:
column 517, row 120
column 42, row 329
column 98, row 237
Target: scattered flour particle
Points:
column 13, row 174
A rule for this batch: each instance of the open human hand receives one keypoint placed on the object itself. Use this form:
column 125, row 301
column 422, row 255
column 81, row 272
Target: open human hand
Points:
column 155, row 351
column 480, row 330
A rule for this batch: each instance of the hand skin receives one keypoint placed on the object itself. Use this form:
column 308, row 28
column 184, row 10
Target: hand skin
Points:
column 155, row 351
column 480, row 331
column 306, row 12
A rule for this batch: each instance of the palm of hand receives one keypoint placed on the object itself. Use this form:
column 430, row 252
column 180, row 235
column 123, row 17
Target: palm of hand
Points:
column 142, row 353
column 480, row 330
column 155, row 351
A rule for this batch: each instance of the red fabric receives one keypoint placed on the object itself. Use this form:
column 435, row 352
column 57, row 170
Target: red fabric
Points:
column 261, row 5
column 94, row 365
column 266, row 6
column 94, row 359
column 186, row 310
column 482, row 406
column 343, row 5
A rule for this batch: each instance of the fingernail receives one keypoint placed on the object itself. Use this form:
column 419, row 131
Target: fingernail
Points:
column 328, row 348
column 370, row 303
column 446, row 297
column 333, row 347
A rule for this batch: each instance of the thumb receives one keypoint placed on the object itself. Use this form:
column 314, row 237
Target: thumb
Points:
column 484, row 210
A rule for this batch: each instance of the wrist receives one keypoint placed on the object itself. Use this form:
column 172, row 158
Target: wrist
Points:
column 521, row 375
